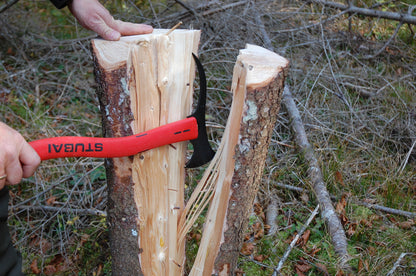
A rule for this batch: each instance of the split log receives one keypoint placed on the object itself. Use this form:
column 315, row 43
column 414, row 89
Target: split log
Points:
column 144, row 82
column 233, row 177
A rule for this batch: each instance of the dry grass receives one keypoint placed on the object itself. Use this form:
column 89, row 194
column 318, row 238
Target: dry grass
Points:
column 359, row 114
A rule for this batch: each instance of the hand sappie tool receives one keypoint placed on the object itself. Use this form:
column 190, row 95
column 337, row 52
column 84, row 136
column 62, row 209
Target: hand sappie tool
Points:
column 192, row 128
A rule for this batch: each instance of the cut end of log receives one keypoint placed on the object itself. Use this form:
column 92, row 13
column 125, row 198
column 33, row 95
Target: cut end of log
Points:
column 263, row 65
column 114, row 54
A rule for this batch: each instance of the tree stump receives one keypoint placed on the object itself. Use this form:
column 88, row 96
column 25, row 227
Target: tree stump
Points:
column 257, row 87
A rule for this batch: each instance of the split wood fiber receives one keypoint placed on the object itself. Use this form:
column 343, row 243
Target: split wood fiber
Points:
column 232, row 179
column 144, row 82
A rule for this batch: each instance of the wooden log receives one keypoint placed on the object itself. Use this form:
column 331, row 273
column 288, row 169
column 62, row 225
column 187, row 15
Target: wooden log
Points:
column 144, row 82
column 233, row 177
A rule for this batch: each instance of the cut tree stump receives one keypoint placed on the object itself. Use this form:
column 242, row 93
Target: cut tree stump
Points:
column 144, row 82
column 233, row 177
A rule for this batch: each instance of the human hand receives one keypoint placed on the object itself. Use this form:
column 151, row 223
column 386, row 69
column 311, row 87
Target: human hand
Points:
column 17, row 158
column 95, row 17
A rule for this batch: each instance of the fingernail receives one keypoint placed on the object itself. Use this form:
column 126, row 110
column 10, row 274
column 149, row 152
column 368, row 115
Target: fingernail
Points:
column 114, row 35
column 148, row 29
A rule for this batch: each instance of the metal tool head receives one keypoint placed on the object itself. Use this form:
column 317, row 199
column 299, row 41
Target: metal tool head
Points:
column 203, row 153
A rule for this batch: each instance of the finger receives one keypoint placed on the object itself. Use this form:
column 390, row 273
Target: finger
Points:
column 3, row 179
column 128, row 28
column 29, row 159
column 105, row 31
column 14, row 172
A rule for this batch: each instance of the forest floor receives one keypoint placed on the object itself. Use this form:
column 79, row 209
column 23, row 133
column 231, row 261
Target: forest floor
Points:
column 354, row 82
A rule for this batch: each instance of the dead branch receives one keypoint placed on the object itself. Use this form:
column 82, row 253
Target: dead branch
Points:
column 93, row 212
column 335, row 228
column 8, row 5
column 351, row 9
column 389, row 210
column 294, row 241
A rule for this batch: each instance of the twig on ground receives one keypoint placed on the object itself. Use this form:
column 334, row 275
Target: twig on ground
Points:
column 294, row 241
column 57, row 209
column 335, row 228
column 290, row 187
column 266, row 38
column 379, row 51
column 407, row 157
column 397, row 263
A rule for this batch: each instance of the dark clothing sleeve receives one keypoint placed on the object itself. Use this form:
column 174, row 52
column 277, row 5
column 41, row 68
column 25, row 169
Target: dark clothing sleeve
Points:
column 10, row 259
column 60, row 3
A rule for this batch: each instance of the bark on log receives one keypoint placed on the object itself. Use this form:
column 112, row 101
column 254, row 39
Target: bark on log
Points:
column 121, row 209
column 144, row 82
column 237, row 168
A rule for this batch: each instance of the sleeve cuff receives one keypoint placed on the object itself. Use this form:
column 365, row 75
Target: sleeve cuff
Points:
column 60, row 3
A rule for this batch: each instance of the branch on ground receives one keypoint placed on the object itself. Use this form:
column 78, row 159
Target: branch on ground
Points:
column 335, row 228
column 351, row 9
column 8, row 5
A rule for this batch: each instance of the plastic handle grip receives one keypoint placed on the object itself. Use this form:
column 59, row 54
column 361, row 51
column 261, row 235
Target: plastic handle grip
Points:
column 74, row 146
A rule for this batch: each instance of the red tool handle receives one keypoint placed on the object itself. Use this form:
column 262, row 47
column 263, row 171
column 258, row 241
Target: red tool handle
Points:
column 74, row 146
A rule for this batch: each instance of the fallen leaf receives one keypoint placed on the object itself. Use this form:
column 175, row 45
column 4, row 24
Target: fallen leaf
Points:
column 258, row 210
column 360, row 265
column 34, row 267
column 247, row 248
column 340, row 273
column 304, row 197
column 10, row 51
column 352, row 227
column 51, row 201
column 313, row 252
column 99, row 269
column 372, row 251
column 339, row 179
column 305, row 236
column 84, row 238
column 323, row 269
column 366, row 223
column 340, row 208
column 239, row 272
column 260, row 258
column 363, row 265
column 406, row 224
column 49, row 270
column 267, row 228
column 304, row 267
column 344, row 219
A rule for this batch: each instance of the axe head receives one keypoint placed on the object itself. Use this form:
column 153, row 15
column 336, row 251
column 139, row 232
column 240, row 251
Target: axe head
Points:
column 203, row 153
